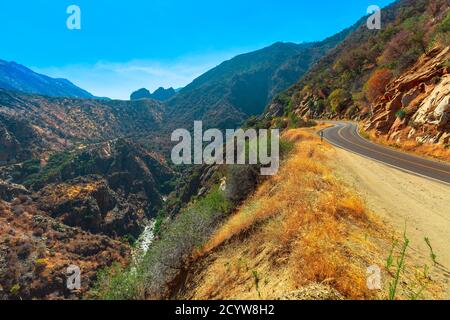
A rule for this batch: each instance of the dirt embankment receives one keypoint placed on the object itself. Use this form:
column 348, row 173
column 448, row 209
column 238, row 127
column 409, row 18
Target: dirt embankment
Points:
column 402, row 199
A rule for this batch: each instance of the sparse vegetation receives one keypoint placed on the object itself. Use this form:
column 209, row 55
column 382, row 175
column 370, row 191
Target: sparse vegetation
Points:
column 399, row 268
column 257, row 280
column 293, row 226
column 432, row 254
column 390, row 258
column 168, row 256
column 407, row 280
column 430, row 150
column 339, row 99
column 50, row 172
column 401, row 114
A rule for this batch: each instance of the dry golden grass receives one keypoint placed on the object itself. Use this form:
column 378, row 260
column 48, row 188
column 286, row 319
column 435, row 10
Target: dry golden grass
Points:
column 301, row 226
column 73, row 192
column 436, row 151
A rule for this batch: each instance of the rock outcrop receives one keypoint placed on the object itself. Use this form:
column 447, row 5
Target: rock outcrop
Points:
column 90, row 204
column 110, row 188
column 416, row 105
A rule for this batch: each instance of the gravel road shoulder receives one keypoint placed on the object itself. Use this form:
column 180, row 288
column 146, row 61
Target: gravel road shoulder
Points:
column 400, row 198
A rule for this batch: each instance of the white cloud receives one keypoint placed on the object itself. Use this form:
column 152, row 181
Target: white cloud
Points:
column 118, row 80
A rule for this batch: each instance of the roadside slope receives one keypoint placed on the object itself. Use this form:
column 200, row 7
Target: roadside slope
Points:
column 304, row 234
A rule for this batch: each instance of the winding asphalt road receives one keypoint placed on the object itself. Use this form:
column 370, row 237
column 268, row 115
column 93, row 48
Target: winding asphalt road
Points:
column 345, row 135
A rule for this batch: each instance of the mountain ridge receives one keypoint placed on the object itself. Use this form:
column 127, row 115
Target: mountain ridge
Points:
column 160, row 94
column 225, row 96
column 17, row 77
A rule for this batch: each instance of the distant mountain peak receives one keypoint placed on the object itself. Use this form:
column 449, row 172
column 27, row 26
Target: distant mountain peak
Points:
column 16, row 77
column 160, row 94
column 141, row 94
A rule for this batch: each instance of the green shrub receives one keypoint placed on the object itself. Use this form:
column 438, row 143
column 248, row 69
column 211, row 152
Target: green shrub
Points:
column 158, row 223
column 115, row 283
column 241, row 181
column 28, row 168
column 294, row 121
column 280, row 123
column 15, row 290
column 319, row 106
column 51, row 172
column 284, row 99
column 443, row 32
column 401, row 114
column 445, row 24
column 31, row 166
column 339, row 99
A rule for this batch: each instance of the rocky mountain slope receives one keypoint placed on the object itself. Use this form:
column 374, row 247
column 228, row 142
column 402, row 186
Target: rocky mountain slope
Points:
column 227, row 95
column 394, row 78
column 73, row 191
column 416, row 105
column 118, row 173
column 16, row 77
column 36, row 250
column 31, row 125
column 80, row 207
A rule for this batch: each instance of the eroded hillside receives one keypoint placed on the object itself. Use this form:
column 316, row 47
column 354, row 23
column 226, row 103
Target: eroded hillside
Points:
column 81, row 207
column 31, row 125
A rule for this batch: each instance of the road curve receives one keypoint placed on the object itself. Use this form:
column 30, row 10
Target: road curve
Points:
column 345, row 135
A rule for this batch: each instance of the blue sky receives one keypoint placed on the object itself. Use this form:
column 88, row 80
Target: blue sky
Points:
column 126, row 45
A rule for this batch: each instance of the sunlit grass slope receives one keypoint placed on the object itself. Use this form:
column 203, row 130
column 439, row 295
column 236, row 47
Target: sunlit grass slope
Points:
column 302, row 227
